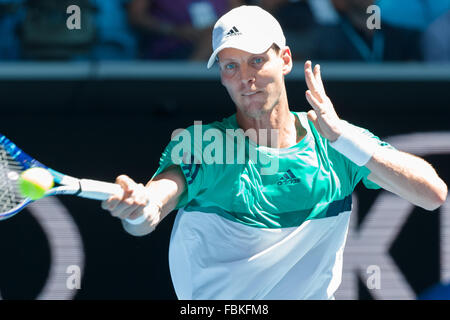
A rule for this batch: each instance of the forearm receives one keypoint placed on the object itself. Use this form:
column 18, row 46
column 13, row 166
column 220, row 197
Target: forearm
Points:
column 408, row 176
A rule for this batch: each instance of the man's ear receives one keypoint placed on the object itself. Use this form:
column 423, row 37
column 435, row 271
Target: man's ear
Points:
column 287, row 60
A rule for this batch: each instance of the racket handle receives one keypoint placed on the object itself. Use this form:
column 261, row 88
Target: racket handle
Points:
column 99, row 190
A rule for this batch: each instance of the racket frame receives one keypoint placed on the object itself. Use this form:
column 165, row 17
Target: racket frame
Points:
column 68, row 185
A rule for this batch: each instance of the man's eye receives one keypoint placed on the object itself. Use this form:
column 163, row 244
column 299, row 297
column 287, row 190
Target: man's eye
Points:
column 230, row 66
column 258, row 60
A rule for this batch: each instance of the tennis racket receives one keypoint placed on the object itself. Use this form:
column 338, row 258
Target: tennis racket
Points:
column 13, row 161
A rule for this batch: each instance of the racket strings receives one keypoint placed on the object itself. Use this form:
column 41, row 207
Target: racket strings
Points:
column 10, row 171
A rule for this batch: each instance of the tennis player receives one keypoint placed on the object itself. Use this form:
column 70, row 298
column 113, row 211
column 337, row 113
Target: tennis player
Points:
column 242, row 234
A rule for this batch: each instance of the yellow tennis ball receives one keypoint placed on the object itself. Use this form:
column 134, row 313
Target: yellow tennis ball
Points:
column 34, row 182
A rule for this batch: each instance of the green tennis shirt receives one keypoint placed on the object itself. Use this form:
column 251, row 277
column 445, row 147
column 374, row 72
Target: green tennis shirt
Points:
column 258, row 222
column 309, row 180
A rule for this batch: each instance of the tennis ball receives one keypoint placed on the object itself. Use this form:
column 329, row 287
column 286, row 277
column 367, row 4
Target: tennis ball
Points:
column 34, row 182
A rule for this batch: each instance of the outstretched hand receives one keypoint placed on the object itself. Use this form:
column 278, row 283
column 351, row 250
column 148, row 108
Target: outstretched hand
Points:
column 323, row 115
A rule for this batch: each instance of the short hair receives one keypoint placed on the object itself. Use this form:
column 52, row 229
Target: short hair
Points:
column 276, row 48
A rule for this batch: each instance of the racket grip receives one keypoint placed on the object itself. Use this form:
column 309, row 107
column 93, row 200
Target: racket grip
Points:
column 99, row 190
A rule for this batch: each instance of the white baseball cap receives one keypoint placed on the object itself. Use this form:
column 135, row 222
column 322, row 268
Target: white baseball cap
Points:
column 248, row 28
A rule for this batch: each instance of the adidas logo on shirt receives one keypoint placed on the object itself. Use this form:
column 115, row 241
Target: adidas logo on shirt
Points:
column 288, row 178
column 233, row 32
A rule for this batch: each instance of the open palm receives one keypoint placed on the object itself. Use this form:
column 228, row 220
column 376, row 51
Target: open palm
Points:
column 323, row 114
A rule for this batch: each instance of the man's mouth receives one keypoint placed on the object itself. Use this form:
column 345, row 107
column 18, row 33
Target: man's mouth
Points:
column 251, row 93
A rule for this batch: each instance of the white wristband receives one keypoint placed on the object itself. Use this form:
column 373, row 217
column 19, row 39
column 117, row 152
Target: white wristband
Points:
column 355, row 145
column 136, row 221
column 153, row 207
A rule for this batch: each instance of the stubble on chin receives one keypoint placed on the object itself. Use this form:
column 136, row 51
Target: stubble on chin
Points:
column 256, row 111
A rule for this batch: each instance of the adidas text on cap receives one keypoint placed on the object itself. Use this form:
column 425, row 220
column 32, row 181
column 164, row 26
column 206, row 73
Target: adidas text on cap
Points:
column 247, row 28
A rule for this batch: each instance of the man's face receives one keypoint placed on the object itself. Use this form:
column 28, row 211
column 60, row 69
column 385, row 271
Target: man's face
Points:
column 254, row 82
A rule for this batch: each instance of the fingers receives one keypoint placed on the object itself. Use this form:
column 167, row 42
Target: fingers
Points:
column 126, row 183
column 131, row 204
column 312, row 115
column 314, row 84
column 127, row 211
column 315, row 104
column 318, row 76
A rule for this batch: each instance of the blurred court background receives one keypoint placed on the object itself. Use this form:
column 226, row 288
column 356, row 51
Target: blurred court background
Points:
column 103, row 100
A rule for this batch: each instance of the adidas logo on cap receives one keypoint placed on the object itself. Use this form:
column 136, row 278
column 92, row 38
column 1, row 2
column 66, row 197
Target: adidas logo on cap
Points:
column 233, row 32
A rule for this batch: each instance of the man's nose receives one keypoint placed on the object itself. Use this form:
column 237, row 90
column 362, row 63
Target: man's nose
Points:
column 247, row 74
